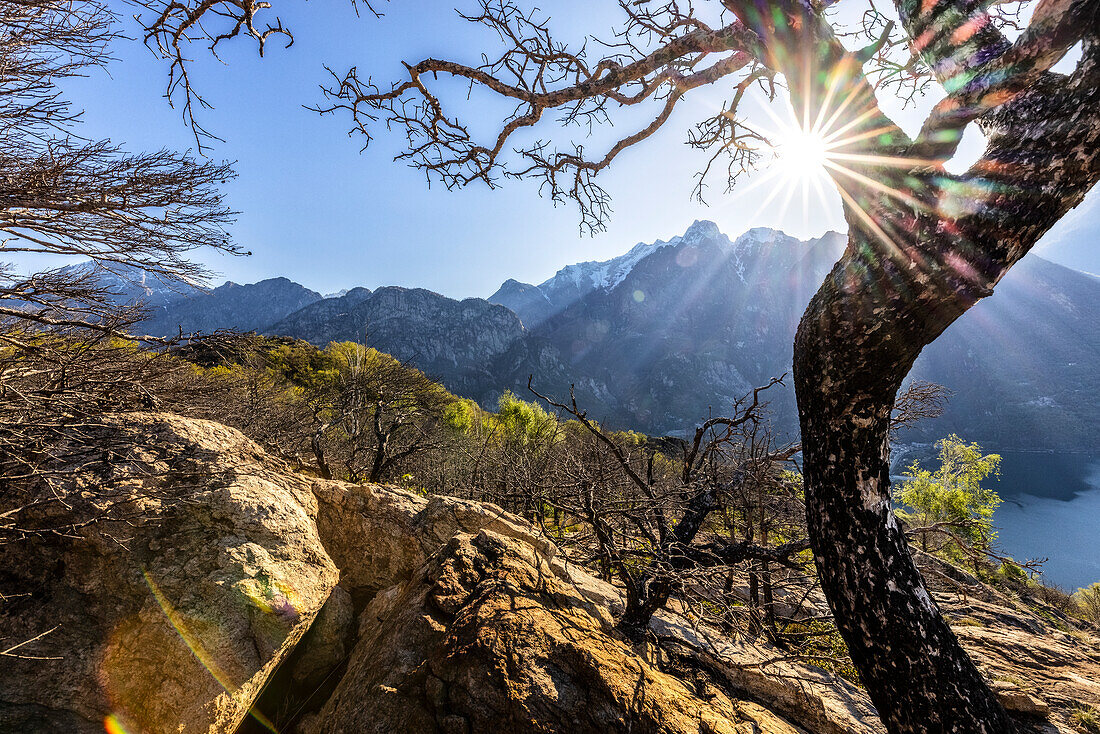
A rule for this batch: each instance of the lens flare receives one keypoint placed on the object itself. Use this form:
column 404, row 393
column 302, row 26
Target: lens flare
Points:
column 114, row 726
column 801, row 153
column 194, row 643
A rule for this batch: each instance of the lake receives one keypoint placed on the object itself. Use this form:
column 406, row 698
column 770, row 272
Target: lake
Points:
column 1052, row 510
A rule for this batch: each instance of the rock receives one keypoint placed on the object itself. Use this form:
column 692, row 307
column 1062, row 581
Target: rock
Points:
column 809, row 696
column 1037, row 670
column 369, row 532
column 380, row 536
column 172, row 619
column 1019, row 701
column 449, row 616
column 487, row 636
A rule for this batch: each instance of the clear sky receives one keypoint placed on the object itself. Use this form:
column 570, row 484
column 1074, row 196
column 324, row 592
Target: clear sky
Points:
column 316, row 210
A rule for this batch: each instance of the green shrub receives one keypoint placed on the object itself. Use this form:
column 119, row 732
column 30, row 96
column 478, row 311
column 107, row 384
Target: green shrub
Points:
column 1088, row 603
column 1086, row 719
column 953, row 498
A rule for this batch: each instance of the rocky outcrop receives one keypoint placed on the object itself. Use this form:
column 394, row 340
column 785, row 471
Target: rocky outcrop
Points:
column 490, row 636
column 1039, row 666
column 528, row 302
column 231, row 583
column 172, row 617
column 819, row 702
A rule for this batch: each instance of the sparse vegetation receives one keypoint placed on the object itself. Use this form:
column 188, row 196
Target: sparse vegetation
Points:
column 1087, row 603
column 1086, row 719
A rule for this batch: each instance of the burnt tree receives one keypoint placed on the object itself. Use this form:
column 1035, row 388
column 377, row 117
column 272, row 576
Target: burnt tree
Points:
column 652, row 538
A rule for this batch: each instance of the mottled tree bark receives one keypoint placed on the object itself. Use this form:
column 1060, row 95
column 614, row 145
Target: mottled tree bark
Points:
column 912, row 268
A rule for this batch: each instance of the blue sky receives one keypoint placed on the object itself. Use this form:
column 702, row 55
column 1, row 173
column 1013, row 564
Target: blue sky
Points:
column 316, row 210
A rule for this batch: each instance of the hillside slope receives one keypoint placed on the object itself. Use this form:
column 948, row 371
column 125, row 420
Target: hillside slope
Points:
column 216, row 572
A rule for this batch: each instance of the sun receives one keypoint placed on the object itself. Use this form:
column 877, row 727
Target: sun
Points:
column 801, row 154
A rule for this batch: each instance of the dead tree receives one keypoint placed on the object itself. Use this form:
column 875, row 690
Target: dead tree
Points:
column 650, row 537
column 62, row 361
column 924, row 245
column 61, row 194
column 375, row 414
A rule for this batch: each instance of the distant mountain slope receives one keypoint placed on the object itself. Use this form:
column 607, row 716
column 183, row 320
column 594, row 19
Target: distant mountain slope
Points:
column 535, row 304
column 322, row 321
column 1024, row 364
column 231, row 306
column 174, row 305
column 689, row 328
column 132, row 285
column 453, row 341
column 699, row 321
column 670, row 332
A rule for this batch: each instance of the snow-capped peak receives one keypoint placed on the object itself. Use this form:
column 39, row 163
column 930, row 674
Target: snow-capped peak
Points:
column 759, row 236
column 602, row 274
column 607, row 274
column 700, row 230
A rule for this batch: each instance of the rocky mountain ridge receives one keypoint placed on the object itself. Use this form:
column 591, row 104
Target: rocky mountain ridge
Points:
column 670, row 332
column 454, row 340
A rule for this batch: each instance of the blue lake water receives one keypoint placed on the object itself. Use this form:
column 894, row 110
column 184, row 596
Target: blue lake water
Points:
column 1051, row 510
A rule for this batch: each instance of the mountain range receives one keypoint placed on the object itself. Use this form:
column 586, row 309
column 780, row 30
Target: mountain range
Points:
column 670, row 332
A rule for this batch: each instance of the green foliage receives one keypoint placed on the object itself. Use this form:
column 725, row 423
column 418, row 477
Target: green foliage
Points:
column 460, row 416
column 528, row 423
column 1088, row 603
column 1086, row 719
column 300, row 363
column 952, row 496
column 794, row 480
column 1013, row 572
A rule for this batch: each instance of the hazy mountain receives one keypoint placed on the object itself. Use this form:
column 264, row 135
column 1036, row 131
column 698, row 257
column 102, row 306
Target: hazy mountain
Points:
column 231, row 306
column 698, row 321
column 132, row 285
column 535, row 304
column 670, row 332
column 323, row 321
column 1024, row 364
column 453, row 341
column 691, row 326
column 173, row 304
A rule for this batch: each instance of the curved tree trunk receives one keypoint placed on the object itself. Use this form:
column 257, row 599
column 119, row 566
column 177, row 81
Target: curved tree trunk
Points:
column 908, row 273
column 849, row 364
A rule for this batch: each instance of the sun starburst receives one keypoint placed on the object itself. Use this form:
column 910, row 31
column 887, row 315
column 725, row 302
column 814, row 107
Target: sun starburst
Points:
column 801, row 153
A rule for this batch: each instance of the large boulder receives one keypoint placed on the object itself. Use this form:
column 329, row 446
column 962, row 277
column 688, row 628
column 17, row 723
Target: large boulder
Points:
column 489, row 635
column 170, row 614
column 381, row 536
